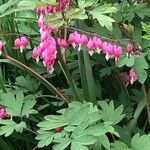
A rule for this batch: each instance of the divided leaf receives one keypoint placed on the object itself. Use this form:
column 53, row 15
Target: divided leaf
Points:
column 109, row 113
column 16, row 105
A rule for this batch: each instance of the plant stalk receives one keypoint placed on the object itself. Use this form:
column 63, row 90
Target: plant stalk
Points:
column 147, row 99
column 43, row 80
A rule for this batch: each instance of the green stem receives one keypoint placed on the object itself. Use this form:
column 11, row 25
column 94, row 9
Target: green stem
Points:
column 43, row 80
column 147, row 99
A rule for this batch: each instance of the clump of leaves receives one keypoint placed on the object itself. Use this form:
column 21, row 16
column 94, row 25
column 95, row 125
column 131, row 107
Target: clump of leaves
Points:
column 82, row 125
column 16, row 106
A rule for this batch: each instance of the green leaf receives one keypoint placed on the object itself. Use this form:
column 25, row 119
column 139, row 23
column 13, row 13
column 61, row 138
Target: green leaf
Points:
column 146, row 28
column 19, row 127
column 11, row 100
column 87, row 79
column 119, row 146
column 7, row 5
column 142, row 62
column 99, row 14
column 28, row 4
column 27, row 107
column 54, row 20
column 122, row 61
column 76, row 14
column 109, row 113
column 5, row 145
column 85, row 139
column 96, row 130
column 52, row 122
column 78, row 146
column 130, row 61
column 50, row 2
column 9, row 126
column 141, row 73
column 44, row 137
column 63, row 144
column 27, row 83
column 85, row 3
column 140, row 142
column 103, row 139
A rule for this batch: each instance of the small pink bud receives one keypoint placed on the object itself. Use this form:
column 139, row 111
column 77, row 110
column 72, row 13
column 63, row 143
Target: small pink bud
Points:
column 38, row 10
column 57, row 130
column 129, row 50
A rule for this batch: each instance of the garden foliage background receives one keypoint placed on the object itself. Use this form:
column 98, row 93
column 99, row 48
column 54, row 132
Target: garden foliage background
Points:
column 74, row 74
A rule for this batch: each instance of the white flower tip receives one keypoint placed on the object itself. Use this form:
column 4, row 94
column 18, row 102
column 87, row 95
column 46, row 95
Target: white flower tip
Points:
column 21, row 49
column 37, row 60
column 98, row 50
column 107, row 56
column 91, row 53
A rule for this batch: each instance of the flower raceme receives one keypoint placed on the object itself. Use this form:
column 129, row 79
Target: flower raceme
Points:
column 21, row 43
column 47, row 49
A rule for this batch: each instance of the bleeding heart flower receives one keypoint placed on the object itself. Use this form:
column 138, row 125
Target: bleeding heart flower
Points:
column 36, row 53
column 21, row 43
column 117, row 53
column 133, row 76
column 109, row 51
column 98, row 44
column 90, row 46
column 62, row 44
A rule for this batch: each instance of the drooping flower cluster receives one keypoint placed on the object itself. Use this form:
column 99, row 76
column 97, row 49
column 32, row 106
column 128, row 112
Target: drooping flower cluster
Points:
column 21, row 43
column 47, row 48
column 3, row 113
column 130, row 78
column 1, row 47
column 97, row 44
